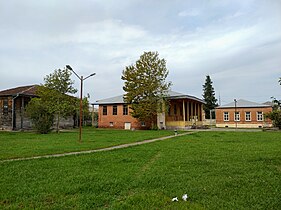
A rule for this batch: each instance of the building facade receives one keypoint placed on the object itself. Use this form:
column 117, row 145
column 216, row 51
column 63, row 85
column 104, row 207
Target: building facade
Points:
column 184, row 111
column 243, row 114
column 13, row 103
column 12, row 107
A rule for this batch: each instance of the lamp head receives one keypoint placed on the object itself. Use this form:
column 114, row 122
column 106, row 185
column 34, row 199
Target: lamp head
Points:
column 69, row 67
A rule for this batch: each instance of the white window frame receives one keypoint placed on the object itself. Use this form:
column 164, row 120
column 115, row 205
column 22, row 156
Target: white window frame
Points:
column 259, row 114
column 226, row 116
column 248, row 120
column 236, row 116
column 111, row 124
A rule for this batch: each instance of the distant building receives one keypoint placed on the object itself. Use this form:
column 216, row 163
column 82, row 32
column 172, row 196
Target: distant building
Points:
column 184, row 112
column 12, row 109
column 243, row 114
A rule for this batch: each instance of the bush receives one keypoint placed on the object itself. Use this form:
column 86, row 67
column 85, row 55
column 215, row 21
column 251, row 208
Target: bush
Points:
column 41, row 118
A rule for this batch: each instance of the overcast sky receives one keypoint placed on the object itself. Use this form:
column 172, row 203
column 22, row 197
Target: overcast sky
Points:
column 237, row 43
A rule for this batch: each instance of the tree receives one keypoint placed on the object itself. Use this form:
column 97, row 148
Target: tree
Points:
column 145, row 86
column 54, row 94
column 275, row 115
column 209, row 97
column 54, row 98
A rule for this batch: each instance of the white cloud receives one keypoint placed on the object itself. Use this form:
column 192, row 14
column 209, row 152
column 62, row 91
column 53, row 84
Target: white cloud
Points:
column 190, row 13
column 220, row 39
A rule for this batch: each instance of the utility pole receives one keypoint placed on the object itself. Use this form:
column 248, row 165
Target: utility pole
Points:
column 235, row 118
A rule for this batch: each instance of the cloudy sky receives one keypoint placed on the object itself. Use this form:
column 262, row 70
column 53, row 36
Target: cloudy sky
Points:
column 237, row 43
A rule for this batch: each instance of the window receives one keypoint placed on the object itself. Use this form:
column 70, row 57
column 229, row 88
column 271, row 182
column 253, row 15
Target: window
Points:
column 143, row 124
column 248, row 116
column 104, row 110
column 226, row 116
column 175, row 109
column 259, row 116
column 237, row 116
column 125, row 109
column 169, row 111
column 5, row 106
column 111, row 124
column 114, row 111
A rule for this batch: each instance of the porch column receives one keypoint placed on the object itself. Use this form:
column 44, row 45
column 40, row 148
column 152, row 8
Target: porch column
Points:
column 195, row 109
column 202, row 111
column 199, row 113
column 13, row 114
column 188, row 114
column 22, row 112
column 192, row 107
column 183, row 111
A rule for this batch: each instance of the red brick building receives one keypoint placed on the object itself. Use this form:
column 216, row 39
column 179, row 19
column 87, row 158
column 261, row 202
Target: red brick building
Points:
column 184, row 111
column 243, row 114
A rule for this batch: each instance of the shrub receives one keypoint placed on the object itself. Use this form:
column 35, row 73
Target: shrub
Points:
column 41, row 118
column 275, row 116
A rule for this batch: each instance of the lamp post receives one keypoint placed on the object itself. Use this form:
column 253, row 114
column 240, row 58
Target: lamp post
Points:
column 81, row 78
column 235, row 118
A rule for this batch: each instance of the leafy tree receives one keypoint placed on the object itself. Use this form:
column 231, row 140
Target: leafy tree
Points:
column 41, row 118
column 209, row 97
column 53, row 97
column 145, row 86
column 54, row 94
column 275, row 115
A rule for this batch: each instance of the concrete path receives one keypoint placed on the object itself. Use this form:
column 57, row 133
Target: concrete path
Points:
column 96, row 150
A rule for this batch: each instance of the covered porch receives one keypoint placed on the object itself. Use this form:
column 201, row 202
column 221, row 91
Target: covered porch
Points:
column 183, row 112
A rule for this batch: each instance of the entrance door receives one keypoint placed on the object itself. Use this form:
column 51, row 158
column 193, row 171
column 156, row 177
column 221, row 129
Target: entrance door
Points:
column 127, row 126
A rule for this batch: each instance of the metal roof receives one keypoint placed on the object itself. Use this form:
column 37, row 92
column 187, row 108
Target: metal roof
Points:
column 243, row 104
column 171, row 95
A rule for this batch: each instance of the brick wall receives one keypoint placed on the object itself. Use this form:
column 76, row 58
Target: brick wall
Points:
column 118, row 121
column 253, row 123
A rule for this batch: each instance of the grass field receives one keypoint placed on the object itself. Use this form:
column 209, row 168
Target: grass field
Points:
column 27, row 144
column 218, row 170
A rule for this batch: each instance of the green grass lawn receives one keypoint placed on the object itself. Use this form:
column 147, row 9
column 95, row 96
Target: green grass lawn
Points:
column 27, row 144
column 218, row 170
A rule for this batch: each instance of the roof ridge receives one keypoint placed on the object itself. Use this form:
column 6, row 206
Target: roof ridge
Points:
column 27, row 89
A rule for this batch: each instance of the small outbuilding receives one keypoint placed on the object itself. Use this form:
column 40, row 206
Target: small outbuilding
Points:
column 243, row 114
column 12, row 107
column 13, row 103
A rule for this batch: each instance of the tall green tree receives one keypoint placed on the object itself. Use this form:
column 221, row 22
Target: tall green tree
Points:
column 53, row 99
column 145, row 86
column 57, row 86
column 209, row 97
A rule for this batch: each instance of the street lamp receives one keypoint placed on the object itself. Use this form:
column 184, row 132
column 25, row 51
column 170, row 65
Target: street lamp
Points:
column 81, row 95
column 235, row 111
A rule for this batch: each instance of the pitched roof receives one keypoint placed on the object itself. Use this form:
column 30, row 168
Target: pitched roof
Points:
column 171, row 95
column 28, row 90
column 243, row 104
